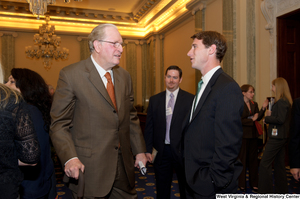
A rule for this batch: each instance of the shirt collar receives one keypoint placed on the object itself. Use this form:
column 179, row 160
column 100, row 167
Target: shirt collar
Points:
column 174, row 92
column 209, row 74
column 100, row 70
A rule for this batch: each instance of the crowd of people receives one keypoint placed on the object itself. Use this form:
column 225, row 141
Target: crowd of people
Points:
column 209, row 139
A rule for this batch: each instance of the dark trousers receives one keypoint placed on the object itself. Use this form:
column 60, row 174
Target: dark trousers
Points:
column 274, row 152
column 248, row 156
column 164, row 174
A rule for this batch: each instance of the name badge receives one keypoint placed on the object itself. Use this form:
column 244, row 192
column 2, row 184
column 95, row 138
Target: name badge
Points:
column 274, row 131
column 169, row 111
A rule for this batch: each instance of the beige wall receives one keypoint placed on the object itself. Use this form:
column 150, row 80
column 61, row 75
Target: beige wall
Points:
column 177, row 44
column 51, row 76
column 263, row 81
column 213, row 16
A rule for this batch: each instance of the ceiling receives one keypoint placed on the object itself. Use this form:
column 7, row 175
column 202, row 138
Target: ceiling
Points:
column 134, row 18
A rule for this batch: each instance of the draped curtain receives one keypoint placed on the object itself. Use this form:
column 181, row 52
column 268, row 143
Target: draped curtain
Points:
column 131, row 65
column 84, row 49
column 7, row 54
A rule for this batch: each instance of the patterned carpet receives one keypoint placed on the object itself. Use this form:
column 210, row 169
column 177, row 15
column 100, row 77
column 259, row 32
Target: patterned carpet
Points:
column 145, row 185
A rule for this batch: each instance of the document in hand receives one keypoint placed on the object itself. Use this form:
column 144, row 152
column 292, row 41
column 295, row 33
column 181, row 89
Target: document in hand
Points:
column 142, row 168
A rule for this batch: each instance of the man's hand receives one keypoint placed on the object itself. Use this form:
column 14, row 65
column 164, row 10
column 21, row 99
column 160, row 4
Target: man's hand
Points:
column 149, row 157
column 255, row 116
column 72, row 168
column 296, row 173
column 140, row 157
column 268, row 113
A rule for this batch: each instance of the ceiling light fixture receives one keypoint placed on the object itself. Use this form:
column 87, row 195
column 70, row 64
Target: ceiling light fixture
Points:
column 39, row 7
column 46, row 45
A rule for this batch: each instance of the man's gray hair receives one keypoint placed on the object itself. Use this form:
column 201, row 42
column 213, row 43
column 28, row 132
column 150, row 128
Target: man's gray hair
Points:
column 98, row 33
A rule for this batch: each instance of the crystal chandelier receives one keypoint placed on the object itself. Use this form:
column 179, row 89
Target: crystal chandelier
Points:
column 46, row 45
column 39, row 7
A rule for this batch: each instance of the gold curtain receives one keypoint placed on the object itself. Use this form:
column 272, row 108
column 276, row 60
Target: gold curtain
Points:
column 7, row 55
column 148, row 71
column 131, row 65
column 162, row 68
column 84, row 49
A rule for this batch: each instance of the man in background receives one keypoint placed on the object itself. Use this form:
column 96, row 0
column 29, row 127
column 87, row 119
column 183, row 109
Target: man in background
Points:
column 213, row 129
column 163, row 131
column 95, row 127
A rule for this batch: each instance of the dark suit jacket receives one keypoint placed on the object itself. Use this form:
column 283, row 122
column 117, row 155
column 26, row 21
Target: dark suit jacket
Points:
column 249, row 129
column 213, row 138
column 294, row 146
column 86, row 125
column 155, row 130
column 280, row 118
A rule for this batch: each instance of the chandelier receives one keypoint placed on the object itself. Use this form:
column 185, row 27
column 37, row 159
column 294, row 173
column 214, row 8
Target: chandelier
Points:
column 46, row 45
column 39, row 7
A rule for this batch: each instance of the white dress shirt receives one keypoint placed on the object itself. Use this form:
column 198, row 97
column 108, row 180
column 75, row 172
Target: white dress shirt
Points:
column 205, row 80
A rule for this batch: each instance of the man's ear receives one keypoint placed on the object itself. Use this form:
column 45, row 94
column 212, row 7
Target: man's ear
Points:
column 212, row 49
column 97, row 45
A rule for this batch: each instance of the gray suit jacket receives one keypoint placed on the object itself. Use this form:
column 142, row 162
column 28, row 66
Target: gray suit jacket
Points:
column 86, row 125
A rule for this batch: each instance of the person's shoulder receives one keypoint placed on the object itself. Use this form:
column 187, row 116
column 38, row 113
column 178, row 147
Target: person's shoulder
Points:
column 77, row 65
column 283, row 102
column 187, row 94
column 255, row 103
column 120, row 70
column 158, row 95
column 297, row 101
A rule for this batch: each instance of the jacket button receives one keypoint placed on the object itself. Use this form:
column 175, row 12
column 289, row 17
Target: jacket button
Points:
column 115, row 111
column 116, row 148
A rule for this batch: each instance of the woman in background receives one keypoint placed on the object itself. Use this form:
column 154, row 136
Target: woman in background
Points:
column 40, row 181
column 18, row 141
column 248, row 153
column 278, row 119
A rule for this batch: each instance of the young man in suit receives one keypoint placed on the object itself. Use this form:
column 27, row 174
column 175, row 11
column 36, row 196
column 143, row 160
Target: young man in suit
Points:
column 294, row 145
column 213, row 129
column 163, row 131
column 95, row 127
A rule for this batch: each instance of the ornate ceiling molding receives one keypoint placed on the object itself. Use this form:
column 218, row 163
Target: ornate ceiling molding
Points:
column 149, row 17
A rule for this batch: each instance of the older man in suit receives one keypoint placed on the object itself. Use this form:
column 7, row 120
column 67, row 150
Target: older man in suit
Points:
column 294, row 145
column 163, row 131
column 213, row 130
column 95, row 127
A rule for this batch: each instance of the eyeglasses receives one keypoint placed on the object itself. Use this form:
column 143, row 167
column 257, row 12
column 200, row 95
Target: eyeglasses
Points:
column 115, row 44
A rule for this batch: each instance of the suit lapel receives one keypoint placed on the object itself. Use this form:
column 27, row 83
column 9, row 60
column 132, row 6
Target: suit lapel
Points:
column 118, row 86
column 163, row 108
column 177, row 105
column 96, row 80
column 206, row 92
column 252, row 107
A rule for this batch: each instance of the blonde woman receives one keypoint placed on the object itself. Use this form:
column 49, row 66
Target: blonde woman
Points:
column 278, row 119
column 18, row 141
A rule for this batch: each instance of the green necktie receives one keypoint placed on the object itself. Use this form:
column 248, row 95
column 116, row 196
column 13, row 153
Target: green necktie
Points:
column 198, row 91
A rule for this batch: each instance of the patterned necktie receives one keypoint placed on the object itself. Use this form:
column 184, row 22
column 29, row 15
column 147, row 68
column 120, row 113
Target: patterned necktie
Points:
column 110, row 89
column 169, row 117
column 198, row 91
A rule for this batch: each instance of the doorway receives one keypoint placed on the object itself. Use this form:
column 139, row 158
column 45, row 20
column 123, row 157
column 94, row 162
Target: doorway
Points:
column 288, row 50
